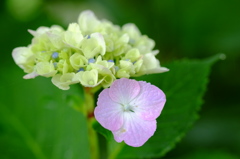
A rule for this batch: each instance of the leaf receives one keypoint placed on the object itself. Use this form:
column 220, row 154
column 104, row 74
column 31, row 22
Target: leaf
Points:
column 36, row 121
column 184, row 86
column 106, row 133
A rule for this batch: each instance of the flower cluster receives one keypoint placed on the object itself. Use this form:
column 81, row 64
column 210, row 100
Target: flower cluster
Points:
column 90, row 52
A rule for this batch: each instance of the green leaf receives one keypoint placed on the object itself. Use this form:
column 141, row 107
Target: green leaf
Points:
column 184, row 86
column 36, row 121
column 106, row 133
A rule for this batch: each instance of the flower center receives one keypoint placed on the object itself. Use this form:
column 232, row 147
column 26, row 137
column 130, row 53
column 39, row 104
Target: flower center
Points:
column 127, row 108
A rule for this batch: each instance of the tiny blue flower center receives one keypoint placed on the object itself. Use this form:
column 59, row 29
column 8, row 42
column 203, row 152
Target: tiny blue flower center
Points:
column 91, row 60
column 55, row 55
column 110, row 61
column 55, row 64
column 88, row 36
column 131, row 41
column 80, row 69
column 116, row 68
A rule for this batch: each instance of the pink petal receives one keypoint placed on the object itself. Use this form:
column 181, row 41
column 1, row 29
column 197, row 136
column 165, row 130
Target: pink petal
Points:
column 108, row 113
column 135, row 131
column 124, row 90
column 149, row 102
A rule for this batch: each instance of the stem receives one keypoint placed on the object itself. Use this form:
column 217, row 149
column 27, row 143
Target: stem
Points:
column 92, row 135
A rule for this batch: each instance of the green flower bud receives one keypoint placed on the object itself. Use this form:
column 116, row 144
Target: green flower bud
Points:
column 45, row 69
column 108, row 79
column 126, row 69
column 63, row 66
column 88, row 78
column 137, row 66
column 63, row 81
column 77, row 60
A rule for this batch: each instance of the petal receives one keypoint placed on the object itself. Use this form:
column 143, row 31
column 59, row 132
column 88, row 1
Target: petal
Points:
column 63, row 81
column 93, row 45
column 124, row 90
column 22, row 55
column 108, row 113
column 157, row 70
column 152, row 65
column 30, row 75
column 135, row 131
column 132, row 30
column 149, row 102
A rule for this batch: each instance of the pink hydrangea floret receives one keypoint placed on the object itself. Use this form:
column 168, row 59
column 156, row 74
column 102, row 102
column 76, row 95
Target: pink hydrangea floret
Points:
column 129, row 109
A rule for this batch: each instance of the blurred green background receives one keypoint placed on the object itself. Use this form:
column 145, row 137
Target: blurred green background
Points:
column 181, row 29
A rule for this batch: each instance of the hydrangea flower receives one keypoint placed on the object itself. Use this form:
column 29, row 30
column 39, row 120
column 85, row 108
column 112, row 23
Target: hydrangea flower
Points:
column 91, row 47
column 129, row 109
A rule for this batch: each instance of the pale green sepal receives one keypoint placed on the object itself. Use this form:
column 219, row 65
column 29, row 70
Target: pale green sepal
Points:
column 123, row 73
column 93, row 45
column 30, row 75
column 55, row 38
column 132, row 30
column 101, row 69
column 126, row 69
column 73, row 36
column 132, row 55
column 108, row 79
column 121, row 45
column 142, row 42
column 145, row 44
column 63, row 66
column 109, row 43
column 65, row 54
column 24, row 58
column 137, row 65
column 127, row 65
column 45, row 69
column 63, row 81
column 151, row 65
column 77, row 60
column 104, row 62
column 43, row 55
column 88, row 78
column 42, row 30
column 88, row 22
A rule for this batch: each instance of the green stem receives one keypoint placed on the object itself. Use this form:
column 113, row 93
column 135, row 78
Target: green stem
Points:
column 92, row 135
